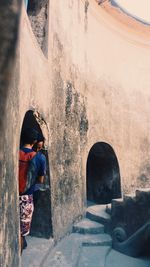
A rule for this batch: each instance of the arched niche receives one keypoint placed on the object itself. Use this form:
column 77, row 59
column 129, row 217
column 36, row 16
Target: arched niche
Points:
column 103, row 175
column 41, row 221
column 37, row 11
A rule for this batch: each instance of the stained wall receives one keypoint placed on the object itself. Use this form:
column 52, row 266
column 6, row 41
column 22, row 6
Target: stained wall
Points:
column 105, row 54
column 9, row 219
column 93, row 87
column 90, row 89
column 42, row 88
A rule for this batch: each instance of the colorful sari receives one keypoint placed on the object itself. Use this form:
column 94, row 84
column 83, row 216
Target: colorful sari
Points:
column 26, row 211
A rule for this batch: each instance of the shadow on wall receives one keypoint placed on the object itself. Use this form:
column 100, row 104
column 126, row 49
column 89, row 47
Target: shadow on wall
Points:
column 103, row 175
column 41, row 220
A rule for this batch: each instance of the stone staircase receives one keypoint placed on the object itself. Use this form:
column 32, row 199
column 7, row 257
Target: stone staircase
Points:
column 130, row 220
column 89, row 244
column 95, row 244
column 132, row 211
column 100, row 222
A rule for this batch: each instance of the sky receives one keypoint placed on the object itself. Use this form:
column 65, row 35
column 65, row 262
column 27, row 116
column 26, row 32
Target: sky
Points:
column 138, row 8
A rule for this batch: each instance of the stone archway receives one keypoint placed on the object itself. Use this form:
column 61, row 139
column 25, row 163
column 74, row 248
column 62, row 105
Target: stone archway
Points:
column 103, row 175
column 41, row 220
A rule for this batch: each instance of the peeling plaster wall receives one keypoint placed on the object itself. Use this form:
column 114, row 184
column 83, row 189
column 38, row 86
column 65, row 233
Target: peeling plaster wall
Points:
column 38, row 16
column 93, row 87
column 69, row 137
column 9, row 219
column 42, row 88
column 9, row 183
column 108, row 62
column 35, row 86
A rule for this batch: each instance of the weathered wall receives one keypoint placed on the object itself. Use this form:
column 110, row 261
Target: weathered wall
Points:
column 68, row 139
column 106, row 56
column 93, row 87
column 9, row 183
column 9, row 219
column 64, row 109
column 38, row 16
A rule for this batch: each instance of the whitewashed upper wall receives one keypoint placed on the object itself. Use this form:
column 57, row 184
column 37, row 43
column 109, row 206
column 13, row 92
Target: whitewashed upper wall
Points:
column 106, row 54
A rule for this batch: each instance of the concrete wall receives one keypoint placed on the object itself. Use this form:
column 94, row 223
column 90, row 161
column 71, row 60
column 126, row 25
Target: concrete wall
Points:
column 9, row 218
column 42, row 88
column 38, row 14
column 93, row 87
column 87, row 87
column 105, row 55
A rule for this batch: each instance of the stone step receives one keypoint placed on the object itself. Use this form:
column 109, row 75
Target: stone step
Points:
column 147, row 189
column 117, row 200
column 117, row 212
column 128, row 197
column 142, row 193
column 93, row 256
column 98, row 213
column 117, row 204
column 97, row 240
column 87, row 226
column 108, row 208
column 66, row 253
column 36, row 252
column 90, row 203
column 117, row 259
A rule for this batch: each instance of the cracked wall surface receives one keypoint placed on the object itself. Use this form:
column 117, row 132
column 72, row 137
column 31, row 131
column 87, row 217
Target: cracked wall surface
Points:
column 92, row 87
column 38, row 16
column 109, row 55
column 9, row 229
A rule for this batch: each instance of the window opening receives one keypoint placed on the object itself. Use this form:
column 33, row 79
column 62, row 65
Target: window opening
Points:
column 37, row 11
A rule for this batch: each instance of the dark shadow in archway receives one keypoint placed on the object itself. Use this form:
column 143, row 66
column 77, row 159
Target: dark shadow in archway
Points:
column 41, row 221
column 103, row 175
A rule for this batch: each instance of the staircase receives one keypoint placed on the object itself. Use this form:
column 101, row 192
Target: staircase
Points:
column 89, row 246
column 95, row 244
column 128, row 214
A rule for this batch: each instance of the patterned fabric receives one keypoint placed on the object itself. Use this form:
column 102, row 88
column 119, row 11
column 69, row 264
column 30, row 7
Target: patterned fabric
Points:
column 26, row 211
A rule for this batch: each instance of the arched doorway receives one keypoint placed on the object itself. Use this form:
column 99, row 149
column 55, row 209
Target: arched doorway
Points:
column 103, row 175
column 41, row 220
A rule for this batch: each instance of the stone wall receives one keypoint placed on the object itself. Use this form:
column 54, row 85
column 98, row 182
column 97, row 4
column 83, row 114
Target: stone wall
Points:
column 38, row 16
column 106, row 55
column 43, row 88
column 94, row 87
column 132, row 212
column 9, row 219
column 69, row 137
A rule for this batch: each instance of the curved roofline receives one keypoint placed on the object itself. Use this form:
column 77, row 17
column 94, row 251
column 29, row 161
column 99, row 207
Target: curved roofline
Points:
column 124, row 10
column 122, row 23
